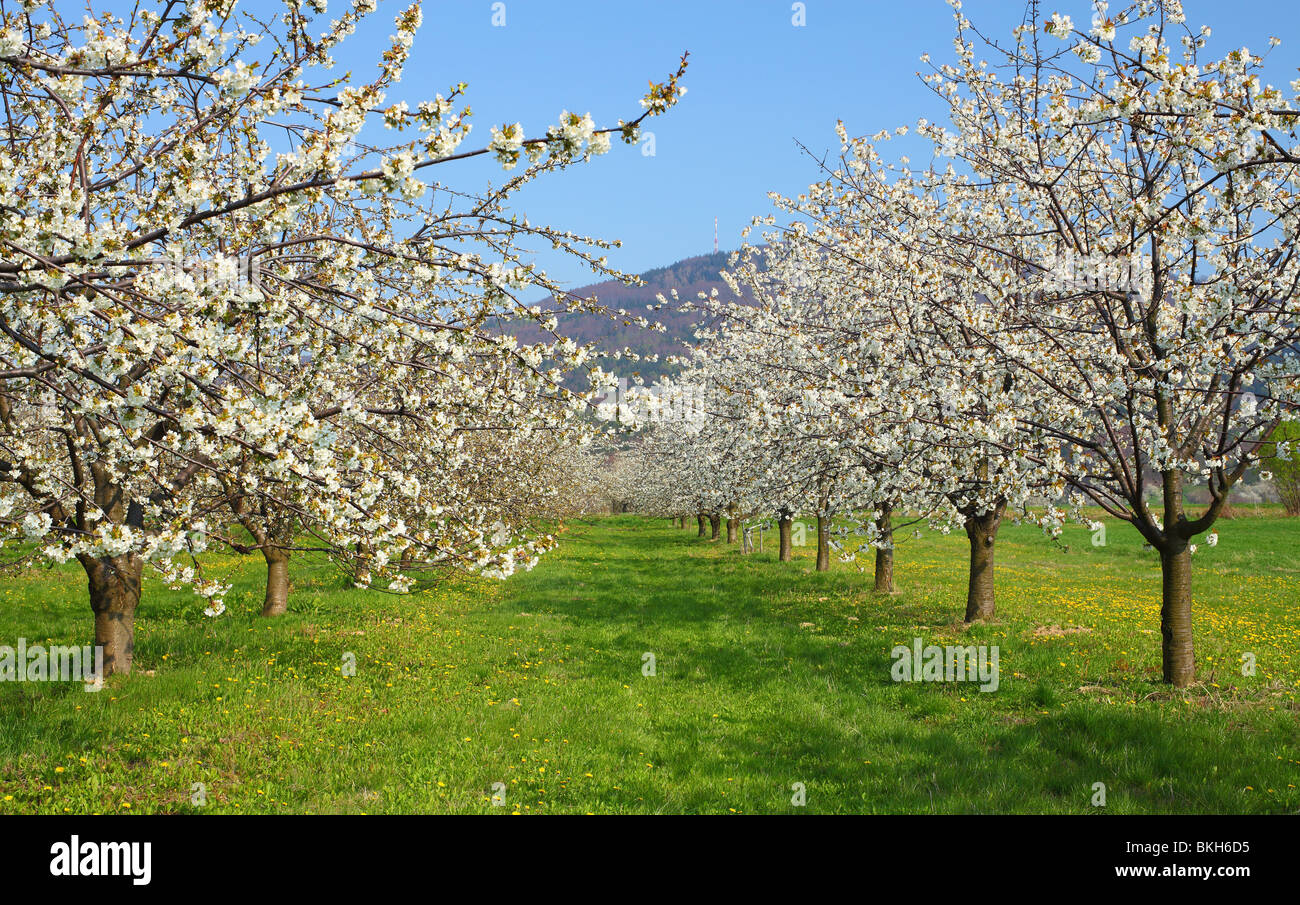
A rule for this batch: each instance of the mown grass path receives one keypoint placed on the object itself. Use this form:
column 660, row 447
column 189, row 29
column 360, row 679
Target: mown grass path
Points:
column 767, row 674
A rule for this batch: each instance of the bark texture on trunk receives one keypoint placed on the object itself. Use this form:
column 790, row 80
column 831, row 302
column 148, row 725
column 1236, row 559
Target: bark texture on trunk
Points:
column 700, row 520
column 1176, row 649
column 1178, row 657
column 732, row 525
column 982, row 530
column 783, row 528
column 277, row 581
column 715, row 524
column 885, row 554
column 823, row 543
column 114, row 584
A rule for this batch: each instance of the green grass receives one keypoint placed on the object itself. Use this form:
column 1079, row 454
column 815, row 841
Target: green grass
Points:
column 768, row 674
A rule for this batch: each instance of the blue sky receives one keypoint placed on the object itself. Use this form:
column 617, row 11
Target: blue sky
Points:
column 757, row 85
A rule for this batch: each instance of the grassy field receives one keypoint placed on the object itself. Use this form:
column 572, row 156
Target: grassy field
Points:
column 767, row 674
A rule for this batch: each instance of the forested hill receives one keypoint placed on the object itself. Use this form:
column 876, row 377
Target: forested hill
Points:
column 689, row 277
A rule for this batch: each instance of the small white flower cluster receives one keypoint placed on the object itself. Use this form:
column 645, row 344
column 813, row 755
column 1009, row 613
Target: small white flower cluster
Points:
column 506, row 144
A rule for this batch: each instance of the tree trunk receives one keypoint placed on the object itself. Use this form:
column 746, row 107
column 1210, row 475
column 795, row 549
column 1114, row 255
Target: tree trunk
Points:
column 823, row 543
column 715, row 523
column 1176, row 650
column 699, row 518
column 885, row 552
column 114, row 584
column 982, row 531
column 783, row 526
column 277, row 581
column 732, row 524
